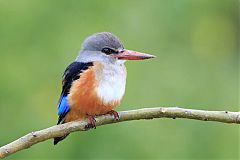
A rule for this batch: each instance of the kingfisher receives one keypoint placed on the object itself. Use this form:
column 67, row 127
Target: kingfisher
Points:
column 94, row 84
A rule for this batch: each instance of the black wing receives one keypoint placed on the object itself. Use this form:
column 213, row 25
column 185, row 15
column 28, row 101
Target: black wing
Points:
column 71, row 74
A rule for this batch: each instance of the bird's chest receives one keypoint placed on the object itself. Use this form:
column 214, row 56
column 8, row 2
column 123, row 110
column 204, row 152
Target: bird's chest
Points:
column 111, row 83
column 98, row 91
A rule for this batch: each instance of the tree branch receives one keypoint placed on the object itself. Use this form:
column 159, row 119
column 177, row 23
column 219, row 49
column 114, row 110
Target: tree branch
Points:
column 145, row 113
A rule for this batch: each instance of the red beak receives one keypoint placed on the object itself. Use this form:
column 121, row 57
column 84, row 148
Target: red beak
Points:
column 132, row 55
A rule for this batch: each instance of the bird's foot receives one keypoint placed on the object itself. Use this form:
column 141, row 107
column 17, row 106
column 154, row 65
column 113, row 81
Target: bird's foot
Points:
column 115, row 114
column 92, row 122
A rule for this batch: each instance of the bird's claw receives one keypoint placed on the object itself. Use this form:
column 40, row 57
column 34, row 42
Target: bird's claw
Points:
column 115, row 114
column 92, row 123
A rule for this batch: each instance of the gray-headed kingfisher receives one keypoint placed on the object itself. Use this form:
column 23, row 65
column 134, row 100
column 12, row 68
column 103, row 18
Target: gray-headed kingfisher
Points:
column 94, row 84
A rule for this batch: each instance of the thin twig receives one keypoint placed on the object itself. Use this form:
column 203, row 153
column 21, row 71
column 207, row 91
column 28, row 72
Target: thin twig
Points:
column 145, row 113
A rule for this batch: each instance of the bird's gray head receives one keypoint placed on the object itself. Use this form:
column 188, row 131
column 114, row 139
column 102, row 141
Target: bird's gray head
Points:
column 100, row 47
column 106, row 47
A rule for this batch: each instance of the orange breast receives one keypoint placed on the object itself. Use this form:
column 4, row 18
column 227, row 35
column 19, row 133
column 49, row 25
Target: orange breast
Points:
column 83, row 99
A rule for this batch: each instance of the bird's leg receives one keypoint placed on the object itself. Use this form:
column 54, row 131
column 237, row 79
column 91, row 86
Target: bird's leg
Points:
column 92, row 122
column 115, row 114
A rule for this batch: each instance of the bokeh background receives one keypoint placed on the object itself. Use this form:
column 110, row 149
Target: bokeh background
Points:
column 197, row 45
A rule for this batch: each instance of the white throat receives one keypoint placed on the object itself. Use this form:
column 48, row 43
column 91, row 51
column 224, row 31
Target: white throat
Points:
column 112, row 80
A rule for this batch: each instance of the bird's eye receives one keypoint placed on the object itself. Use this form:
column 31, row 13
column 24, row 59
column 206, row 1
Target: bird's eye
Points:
column 108, row 51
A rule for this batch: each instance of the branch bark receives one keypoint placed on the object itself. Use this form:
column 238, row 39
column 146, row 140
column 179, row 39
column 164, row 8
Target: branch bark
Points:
column 145, row 113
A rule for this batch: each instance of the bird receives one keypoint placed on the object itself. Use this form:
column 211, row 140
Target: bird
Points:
column 94, row 84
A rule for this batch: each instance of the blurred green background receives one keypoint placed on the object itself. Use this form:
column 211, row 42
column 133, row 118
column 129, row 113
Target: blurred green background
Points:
column 197, row 45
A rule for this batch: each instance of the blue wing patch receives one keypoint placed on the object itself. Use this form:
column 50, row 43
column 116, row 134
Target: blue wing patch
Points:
column 63, row 107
